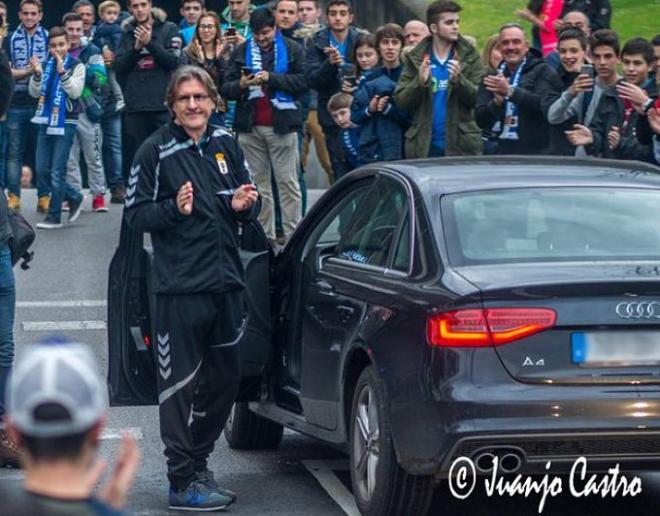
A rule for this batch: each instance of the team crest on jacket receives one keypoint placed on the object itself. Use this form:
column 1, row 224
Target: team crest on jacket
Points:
column 222, row 163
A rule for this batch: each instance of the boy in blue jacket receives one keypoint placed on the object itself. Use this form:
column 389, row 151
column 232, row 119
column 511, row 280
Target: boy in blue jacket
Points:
column 339, row 107
column 382, row 123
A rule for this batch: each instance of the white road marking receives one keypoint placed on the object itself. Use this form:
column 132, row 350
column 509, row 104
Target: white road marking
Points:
column 333, row 486
column 64, row 325
column 116, row 433
column 62, row 304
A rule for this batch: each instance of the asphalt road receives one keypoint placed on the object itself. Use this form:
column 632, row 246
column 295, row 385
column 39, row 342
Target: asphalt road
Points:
column 65, row 292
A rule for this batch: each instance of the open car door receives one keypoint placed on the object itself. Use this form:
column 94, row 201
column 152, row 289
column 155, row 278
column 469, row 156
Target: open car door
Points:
column 132, row 376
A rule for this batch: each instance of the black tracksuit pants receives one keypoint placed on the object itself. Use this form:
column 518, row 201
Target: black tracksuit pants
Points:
column 198, row 375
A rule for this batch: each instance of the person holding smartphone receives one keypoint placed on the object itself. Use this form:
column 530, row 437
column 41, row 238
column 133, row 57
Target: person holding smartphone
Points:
column 577, row 76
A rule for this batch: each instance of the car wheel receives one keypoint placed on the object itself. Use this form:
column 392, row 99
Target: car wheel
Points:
column 380, row 486
column 244, row 430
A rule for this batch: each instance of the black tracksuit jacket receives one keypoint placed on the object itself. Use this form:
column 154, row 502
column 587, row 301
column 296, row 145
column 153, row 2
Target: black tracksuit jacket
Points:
column 538, row 83
column 196, row 253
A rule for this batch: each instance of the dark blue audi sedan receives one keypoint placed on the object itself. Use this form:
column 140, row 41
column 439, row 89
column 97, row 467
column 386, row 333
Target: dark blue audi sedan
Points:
column 490, row 308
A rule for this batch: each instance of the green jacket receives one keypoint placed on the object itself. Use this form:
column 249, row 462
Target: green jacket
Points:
column 463, row 134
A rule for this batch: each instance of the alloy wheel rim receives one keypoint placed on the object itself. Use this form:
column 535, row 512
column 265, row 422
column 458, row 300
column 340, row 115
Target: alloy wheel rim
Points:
column 366, row 448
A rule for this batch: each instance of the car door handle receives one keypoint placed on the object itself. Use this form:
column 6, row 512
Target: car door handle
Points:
column 324, row 288
column 345, row 310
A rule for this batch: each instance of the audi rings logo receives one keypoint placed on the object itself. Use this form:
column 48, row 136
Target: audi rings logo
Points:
column 638, row 310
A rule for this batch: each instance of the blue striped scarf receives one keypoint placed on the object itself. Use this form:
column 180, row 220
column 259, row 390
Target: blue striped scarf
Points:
column 282, row 100
column 51, row 110
column 22, row 47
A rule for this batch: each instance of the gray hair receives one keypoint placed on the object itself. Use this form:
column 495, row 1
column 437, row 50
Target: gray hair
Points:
column 83, row 3
column 190, row 73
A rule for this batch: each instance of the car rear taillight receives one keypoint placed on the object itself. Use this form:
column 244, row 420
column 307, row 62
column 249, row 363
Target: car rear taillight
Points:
column 487, row 327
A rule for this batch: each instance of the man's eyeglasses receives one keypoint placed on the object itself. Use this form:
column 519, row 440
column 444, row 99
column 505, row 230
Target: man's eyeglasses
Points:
column 198, row 98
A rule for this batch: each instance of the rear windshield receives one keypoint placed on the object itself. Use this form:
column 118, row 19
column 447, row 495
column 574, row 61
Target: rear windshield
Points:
column 552, row 224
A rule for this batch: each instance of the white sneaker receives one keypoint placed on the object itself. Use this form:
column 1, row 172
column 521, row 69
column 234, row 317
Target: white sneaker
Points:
column 49, row 225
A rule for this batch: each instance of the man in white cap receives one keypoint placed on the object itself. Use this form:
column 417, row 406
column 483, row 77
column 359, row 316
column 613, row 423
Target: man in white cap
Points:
column 57, row 407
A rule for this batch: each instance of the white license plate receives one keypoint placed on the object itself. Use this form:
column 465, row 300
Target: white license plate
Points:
column 616, row 349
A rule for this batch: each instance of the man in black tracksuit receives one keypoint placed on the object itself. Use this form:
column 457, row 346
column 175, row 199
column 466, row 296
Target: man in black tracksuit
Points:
column 514, row 97
column 599, row 12
column 189, row 187
column 148, row 53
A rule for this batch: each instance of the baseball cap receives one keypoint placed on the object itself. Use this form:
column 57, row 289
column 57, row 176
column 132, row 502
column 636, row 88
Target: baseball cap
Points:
column 59, row 376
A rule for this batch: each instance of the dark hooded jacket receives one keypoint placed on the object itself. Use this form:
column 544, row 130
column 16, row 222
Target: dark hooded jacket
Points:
column 323, row 76
column 538, row 82
column 6, row 83
column 144, row 74
column 381, row 134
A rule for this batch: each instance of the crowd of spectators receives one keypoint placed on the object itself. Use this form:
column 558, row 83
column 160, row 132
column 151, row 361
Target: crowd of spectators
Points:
column 295, row 72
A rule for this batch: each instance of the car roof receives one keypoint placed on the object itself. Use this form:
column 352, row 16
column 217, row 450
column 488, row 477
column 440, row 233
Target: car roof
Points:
column 465, row 174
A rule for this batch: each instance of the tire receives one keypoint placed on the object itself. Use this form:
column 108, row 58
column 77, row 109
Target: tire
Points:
column 244, row 430
column 380, row 486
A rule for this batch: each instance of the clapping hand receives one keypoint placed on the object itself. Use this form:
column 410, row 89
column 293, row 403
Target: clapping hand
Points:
column 244, row 197
column 184, row 198
column 142, row 36
column 614, row 137
column 497, row 84
column 454, row 69
column 579, row 135
column 425, row 70
column 35, row 66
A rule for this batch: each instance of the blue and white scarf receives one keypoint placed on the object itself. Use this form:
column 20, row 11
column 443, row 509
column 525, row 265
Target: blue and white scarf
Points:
column 511, row 120
column 51, row 110
column 22, row 47
column 282, row 100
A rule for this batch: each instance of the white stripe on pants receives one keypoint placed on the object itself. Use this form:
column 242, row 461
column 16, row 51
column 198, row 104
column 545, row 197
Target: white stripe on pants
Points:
column 267, row 151
column 89, row 138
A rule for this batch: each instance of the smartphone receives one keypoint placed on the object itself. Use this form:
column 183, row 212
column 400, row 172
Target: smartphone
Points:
column 351, row 79
column 587, row 69
column 246, row 71
column 231, row 31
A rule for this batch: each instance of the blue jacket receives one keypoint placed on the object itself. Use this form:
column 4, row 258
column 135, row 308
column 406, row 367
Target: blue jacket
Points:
column 323, row 76
column 382, row 134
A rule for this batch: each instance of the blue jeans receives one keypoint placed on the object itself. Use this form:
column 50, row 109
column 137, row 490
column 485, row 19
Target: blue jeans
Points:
column 3, row 154
column 18, row 127
column 112, row 158
column 7, row 306
column 52, row 155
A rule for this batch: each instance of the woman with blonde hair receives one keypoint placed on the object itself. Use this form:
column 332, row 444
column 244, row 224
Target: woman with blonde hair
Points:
column 206, row 51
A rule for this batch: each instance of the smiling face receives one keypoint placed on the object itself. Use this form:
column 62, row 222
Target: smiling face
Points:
column 86, row 12
column 75, row 31
column 635, row 68
column 513, row 45
column 571, row 55
column 192, row 106
column 265, row 37
column 308, row 12
column 208, row 29
column 30, row 16
column 59, row 46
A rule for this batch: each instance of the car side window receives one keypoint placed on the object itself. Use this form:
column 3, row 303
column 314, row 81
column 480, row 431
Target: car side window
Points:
column 336, row 224
column 401, row 261
column 372, row 231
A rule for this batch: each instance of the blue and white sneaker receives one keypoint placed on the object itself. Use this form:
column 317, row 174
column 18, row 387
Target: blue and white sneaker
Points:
column 198, row 496
column 207, row 477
